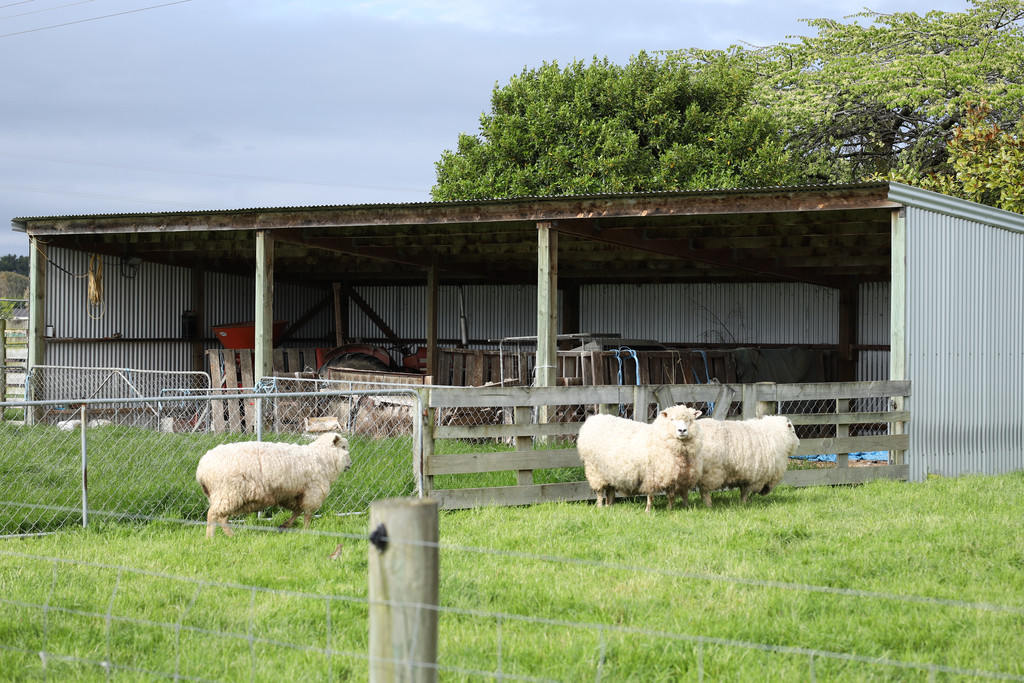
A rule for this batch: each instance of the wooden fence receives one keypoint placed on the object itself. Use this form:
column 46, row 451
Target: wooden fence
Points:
column 841, row 418
column 13, row 356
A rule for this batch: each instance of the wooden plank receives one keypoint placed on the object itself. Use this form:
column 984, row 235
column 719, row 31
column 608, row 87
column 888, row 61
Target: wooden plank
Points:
column 444, row 364
column 456, row 499
column 524, row 444
column 848, row 418
column 854, row 444
column 475, row 370
column 842, row 431
column 246, row 370
column 217, row 406
column 521, row 461
column 832, row 476
column 833, row 390
column 279, row 364
column 458, row 369
column 247, row 405
column 231, row 387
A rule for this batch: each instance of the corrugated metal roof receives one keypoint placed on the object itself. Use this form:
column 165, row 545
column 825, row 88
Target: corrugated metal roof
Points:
column 955, row 207
column 469, row 202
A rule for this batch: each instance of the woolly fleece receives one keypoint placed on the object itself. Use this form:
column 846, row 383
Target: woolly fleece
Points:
column 637, row 458
column 244, row 477
column 751, row 455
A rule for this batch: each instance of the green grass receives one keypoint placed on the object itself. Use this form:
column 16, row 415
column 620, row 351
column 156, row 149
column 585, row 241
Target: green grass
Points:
column 934, row 574
column 140, row 472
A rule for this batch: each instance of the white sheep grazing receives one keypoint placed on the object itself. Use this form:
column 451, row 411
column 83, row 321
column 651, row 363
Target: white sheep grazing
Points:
column 637, row 458
column 248, row 476
column 751, row 455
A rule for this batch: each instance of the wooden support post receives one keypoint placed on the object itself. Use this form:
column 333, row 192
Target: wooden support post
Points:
column 36, row 319
column 403, row 590
column 264, row 304
column 340, row 315
column 898, row 324
column 547, row 303
column 423, row 447
column 433, row 289
column 842, row 431
column 547, row 312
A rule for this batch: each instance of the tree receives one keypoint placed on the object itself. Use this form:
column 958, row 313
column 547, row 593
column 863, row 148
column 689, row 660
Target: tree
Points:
column 860, row 100
column 14, row 264
column 13, row 285
column 985, row 164
column 654, row 124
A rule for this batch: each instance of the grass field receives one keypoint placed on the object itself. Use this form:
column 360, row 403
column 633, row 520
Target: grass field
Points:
column 886, row 581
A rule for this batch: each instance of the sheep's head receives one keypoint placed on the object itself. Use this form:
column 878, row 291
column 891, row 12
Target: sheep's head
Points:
column 683, row 419
column 339, row 447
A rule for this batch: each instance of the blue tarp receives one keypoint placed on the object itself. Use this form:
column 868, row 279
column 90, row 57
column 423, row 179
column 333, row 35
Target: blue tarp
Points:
column 872, row 455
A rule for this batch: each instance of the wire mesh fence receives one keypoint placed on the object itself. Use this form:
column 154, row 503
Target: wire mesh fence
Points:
column 138, row 457
column 503, row 615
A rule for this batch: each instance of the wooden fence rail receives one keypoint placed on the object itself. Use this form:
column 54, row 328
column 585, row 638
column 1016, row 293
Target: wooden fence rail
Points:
column 13, row 356
column 838, row 418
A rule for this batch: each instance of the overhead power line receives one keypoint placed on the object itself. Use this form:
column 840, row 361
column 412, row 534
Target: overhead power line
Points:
column 45, row 9
column 105, row 16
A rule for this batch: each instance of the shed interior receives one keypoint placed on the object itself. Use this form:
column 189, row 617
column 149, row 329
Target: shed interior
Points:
column 835, row 236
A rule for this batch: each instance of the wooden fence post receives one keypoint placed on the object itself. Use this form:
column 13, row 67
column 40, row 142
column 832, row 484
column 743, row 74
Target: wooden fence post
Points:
column 403, row 588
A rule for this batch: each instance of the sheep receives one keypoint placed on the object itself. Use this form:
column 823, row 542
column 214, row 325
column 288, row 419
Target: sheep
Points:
column 636, row 458
column 751, row 455
column 249, row 476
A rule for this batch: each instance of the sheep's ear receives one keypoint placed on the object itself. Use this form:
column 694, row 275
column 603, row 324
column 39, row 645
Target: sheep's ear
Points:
column 696, row 414
column 664, row 413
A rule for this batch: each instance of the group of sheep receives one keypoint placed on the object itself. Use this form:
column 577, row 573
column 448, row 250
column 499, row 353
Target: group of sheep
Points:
column 678, row 452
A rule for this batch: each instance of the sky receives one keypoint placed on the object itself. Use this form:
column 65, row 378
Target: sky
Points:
column 126, row 106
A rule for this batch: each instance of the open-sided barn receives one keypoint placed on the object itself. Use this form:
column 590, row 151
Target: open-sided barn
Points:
column 880, row 280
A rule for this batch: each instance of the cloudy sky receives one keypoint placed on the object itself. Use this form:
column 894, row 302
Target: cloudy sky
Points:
column 118, row 106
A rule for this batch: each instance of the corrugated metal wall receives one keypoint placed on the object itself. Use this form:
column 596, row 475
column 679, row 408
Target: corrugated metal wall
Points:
column 492, row 311
column 772, row 313
column 873, row 330
column 146, row 303
column 965, row 356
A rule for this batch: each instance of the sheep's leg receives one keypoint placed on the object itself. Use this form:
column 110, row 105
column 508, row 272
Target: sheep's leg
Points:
column 307, row 517
column 706, row 497
column 211, row 525
column 671, row 496
column 650, row 502
column 213, row 520
column 599, row 495
column 287, row 524
column 744, row 493
column 609, row 496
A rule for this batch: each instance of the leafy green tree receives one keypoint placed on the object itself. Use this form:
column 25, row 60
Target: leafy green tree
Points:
column 14, row 264
column 657, row 123
column 985, row 164
column 860, row 100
